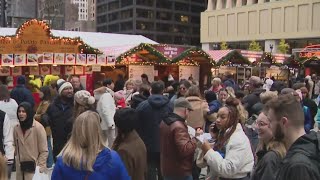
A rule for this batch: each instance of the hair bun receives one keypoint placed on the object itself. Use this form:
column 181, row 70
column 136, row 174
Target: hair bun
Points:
column 231, row 101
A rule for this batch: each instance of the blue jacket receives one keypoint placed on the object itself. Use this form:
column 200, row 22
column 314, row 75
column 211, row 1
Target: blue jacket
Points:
column 214, row 106
column 108, row 166
column 20, row 93
column 151, row 112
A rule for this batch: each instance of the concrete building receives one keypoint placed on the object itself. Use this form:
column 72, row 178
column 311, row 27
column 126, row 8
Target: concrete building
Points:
column 165, row 21
column 53, row 12
column 238, row 22
column 86, row 16
column 18, row 11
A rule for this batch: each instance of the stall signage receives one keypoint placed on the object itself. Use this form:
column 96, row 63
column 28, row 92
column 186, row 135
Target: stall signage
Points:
column 34, row 37
column 170, row 51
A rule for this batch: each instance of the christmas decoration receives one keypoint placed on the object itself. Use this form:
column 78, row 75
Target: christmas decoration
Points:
column 234, row 58
column 194, row 51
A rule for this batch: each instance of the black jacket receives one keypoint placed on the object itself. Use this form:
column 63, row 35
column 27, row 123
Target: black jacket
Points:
column 137, row 99
column 302, row 161
column 312, row 107
column 267, row 166
column 250, row 100
column 60, row 117
column 151, row 112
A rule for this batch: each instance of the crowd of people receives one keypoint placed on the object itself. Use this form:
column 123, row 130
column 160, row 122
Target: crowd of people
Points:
column 141, row 130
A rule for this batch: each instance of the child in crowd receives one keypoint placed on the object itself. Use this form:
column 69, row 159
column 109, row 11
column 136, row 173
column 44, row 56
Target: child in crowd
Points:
column 119, row 99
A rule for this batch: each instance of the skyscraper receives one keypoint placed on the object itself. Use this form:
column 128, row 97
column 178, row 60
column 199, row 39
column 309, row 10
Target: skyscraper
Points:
column 165, row 21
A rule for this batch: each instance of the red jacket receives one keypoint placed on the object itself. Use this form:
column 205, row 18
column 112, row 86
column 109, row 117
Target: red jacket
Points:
column 176, row 147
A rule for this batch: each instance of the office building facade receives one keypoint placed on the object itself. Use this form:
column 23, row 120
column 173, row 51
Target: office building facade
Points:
column 238, row 22
column 165, row 21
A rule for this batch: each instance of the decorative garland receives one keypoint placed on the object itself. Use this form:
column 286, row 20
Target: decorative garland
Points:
column 233, row 58
column 83, row 47
column 144, row 46
column 192, row 51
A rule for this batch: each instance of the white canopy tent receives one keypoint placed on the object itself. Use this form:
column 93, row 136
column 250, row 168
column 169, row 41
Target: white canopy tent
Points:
column 101, row 41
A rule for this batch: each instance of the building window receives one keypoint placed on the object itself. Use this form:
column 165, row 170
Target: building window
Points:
column 126, row 3
column 113, row 16
column 126, row 14
column 144, row 26
column 195, row 20
column 163, row 15
column 164, row 39
column 181, row 7
column 197, row 9
column 101, row 19
column 163, row 27
column 113, row 28
column 145, row 2
column 164, row 4
column 182, row 18
column 126, row 26
column 144, row 13
column 113, row 5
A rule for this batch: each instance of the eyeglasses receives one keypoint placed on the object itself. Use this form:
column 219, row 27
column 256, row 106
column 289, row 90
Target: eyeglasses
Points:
column 261, row 124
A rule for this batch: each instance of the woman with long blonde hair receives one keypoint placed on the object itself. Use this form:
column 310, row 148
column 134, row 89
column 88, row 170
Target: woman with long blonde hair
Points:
column 85, row 155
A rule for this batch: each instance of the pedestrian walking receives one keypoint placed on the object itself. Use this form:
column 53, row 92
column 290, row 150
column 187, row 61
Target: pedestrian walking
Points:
column 20, row 93
column 106, row 108
column 177, row 149
column 286, row 118
column 231, row 156
column 85, row 156
column 60, row 116
column 83, row 101
column 30, row 141
column 151, row 112
column 42, row 117
column 129, row 145
column 270, row 151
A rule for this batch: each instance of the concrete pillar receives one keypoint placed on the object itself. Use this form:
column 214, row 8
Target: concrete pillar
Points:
column 229, row 4
column 249, row 2
column 261, row 1
column 219, row 5
column 211, row 5
column 271, row 43
column 239, row 3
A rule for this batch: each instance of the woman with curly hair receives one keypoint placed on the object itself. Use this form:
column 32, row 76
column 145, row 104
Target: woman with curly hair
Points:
column 231, row 156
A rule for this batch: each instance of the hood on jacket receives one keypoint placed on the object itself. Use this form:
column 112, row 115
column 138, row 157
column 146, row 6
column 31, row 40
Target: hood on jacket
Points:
column 158, row 101
column 173, row 118
column 308, row 144
column 139, row 98
column 103, row 159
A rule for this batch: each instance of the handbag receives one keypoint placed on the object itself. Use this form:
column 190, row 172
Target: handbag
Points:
column 26, row 166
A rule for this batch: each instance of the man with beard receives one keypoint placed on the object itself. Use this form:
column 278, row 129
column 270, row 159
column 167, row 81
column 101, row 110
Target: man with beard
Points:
column 60, row 116
column 287, row 124
column 75, row 81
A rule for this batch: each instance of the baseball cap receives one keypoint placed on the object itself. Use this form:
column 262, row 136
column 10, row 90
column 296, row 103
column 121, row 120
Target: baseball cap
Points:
column 182, row 103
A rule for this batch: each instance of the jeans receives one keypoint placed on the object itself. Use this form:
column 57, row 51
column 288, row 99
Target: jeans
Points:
column 50, row 155
column 154, row 170
column 178, row 178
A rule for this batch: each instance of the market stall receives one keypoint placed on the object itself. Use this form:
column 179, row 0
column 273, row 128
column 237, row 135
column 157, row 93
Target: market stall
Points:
column 231, row 61
column 33, row 50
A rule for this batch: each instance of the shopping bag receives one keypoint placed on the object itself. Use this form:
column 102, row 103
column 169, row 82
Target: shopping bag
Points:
column 40, row 176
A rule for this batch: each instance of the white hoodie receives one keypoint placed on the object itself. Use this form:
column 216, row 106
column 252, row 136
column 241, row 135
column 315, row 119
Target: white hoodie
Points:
column 106, row 107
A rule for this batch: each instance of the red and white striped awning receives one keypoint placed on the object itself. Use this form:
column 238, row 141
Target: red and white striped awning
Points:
column 216, row 55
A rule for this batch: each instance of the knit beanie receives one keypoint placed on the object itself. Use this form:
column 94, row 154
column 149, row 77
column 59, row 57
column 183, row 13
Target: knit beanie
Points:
column 84, row 98
column 62, row 84
column 119, row 95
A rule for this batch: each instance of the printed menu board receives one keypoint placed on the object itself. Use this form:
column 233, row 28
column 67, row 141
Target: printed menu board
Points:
column 70, row 59
column 135, row 72
column 81, row 59
column 19, row 59
column 4, row 71
column 59, row 58
column 7, row 60
column 91, row 59
column 32, row 59
column 56, row 70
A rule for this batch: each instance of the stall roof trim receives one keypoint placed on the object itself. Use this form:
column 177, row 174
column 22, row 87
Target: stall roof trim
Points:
column 94, row 39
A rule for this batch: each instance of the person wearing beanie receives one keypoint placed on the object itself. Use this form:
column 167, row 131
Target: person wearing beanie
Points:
column 30, row 142
column 129, row 145
column 60, row 116
column 20, row 93
column 83, row 101
column 119, row 99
